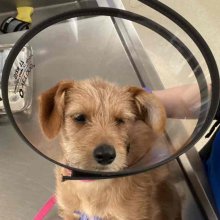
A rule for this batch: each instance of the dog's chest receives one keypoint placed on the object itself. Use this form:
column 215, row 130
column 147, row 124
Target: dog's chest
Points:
column 106, row 203
column 96, row 205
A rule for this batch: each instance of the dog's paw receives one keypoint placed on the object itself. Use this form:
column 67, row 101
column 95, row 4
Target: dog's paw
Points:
column 67, row 216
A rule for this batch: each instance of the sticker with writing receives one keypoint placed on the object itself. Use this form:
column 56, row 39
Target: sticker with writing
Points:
column 21, row 74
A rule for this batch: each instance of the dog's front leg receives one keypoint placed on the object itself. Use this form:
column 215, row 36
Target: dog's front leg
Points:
column 65, row 215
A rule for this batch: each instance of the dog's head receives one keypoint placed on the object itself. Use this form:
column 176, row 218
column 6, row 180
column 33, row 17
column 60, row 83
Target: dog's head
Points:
column 95, row 120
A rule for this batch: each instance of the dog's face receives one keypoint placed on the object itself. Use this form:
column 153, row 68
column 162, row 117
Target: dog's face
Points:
column 95, row 119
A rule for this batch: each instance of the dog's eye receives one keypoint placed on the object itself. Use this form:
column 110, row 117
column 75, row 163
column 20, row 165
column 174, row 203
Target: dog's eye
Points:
column 80, row 118
column 119, row 121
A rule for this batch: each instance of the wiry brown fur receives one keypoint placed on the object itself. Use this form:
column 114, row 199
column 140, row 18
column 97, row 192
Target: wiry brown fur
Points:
column 146, row 196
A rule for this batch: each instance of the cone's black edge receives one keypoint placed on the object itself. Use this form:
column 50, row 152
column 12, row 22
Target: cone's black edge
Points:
column 83, row 174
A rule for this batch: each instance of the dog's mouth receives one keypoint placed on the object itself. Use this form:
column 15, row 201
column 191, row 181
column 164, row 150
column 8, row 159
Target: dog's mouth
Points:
column 96, row 168
column 119, row 164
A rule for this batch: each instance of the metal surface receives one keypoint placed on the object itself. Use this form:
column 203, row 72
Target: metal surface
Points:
column 140, row 60
column 143, row 67
column 7, row 5
column 190, row 162
column 40, row 14
column 10, row 5
column 41, row 3
column 24, row 188
column 27, row 180
column 44, row 10
column 193, row 169
column 104, row 54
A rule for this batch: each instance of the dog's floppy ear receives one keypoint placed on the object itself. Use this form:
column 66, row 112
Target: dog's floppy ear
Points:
column 149, row 108
column 51, row 105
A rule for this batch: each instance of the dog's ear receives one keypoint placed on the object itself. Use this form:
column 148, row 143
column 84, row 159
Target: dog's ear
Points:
column 149, row 108
column 51, row 105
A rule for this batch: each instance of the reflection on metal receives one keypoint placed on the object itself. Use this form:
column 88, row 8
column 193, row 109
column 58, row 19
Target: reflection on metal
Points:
column 138, row 57
column 143, row 67
column 148, row 77
column 192, row 167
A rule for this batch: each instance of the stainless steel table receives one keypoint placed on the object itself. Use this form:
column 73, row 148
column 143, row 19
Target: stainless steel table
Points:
column 27, row 180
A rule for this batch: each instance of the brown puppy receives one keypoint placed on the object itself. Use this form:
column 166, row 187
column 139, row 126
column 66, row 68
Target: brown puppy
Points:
column 95, row 120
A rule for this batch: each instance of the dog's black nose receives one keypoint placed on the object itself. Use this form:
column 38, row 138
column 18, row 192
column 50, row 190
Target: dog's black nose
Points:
column 104, row 154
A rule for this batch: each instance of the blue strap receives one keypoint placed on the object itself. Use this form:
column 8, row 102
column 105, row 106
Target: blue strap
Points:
column 148, row 90
column 85, row 217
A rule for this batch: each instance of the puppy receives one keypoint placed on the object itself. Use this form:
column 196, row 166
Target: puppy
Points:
column 107, row 128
